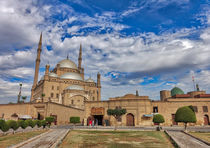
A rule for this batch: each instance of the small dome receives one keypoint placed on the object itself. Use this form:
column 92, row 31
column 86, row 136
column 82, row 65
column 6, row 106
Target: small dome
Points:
column 52, row 74
column 176, row 91
column 67, row 64
column 71, row 75
column 74, row 87
column 89, row 80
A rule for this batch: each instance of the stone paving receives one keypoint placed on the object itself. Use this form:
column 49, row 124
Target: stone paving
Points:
column 46, row 140
column 186, row 141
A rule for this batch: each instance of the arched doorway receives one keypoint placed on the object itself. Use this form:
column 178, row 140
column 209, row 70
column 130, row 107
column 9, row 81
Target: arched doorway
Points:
column 206, row 120
column 130, row 120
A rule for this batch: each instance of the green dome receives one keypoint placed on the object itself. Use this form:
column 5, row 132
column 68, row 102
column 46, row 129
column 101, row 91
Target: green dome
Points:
column 176, row 91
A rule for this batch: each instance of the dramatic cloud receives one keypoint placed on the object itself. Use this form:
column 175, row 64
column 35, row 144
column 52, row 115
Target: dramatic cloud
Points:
column 132, row 51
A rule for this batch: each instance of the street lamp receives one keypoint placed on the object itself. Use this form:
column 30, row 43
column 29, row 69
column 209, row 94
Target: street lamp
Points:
column 19, row 95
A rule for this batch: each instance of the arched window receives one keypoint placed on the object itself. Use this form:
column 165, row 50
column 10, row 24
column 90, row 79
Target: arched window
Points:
column 52, row 95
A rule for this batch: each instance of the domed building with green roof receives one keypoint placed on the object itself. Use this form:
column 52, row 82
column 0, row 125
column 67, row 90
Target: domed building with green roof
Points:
column 176, row 91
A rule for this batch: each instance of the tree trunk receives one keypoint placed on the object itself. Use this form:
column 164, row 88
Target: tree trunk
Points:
column 115, row 127
column 185, row 126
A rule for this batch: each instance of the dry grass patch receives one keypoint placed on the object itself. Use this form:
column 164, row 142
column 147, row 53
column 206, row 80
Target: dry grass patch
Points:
column 203, row 136
column 9, row 140
column 116, row 139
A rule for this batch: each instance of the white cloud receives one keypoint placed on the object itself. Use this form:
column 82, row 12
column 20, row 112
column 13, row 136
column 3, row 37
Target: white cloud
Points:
column 146, row 54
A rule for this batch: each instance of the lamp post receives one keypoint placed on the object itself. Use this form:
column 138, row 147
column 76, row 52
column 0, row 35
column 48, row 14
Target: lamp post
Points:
column 19, row 95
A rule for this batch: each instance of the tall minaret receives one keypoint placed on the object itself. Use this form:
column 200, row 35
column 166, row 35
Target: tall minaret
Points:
column 99, row 87
column 80, row 58
column 36, row 74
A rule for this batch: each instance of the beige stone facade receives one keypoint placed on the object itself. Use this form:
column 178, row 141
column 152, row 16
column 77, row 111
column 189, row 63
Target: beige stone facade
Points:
column 65, row 84
column 140, row 109
column 61, row 112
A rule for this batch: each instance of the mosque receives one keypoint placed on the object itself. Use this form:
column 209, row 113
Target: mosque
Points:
column 63, row 92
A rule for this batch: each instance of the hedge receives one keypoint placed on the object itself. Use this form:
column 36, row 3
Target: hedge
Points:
column 49, row 120
column 39, row 123
column 23, row 124
column 30, row 123
column 158, row 118
column 13, row 124
column 43, row 123
column 4, row 126
column 185, row 114
column 74, row 120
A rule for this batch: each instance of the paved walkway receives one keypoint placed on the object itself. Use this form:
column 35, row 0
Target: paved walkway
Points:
column 186, row 141
column 46, row 140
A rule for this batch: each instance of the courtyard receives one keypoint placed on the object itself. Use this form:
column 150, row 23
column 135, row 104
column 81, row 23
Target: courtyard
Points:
column 115, row 139
column 13, row 139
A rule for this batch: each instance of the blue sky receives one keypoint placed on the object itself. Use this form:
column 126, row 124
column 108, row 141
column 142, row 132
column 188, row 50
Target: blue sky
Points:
column 135, row 44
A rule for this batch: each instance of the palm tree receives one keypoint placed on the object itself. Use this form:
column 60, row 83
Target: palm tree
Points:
column 24, row 98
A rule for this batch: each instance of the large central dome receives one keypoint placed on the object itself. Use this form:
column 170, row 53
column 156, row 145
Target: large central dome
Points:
column 71, row 75
column 67, row 64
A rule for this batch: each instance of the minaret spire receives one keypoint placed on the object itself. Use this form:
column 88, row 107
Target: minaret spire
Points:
column 80, row 57
column 36, row 74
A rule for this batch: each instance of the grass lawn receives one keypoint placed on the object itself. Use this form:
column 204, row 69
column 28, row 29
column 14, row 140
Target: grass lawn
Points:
column 115, row 139
column 9, row 140
column 203, row 136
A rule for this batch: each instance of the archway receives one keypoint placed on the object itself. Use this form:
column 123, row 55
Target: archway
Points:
column 206, row 120
column 40, row 116
column 130, row 120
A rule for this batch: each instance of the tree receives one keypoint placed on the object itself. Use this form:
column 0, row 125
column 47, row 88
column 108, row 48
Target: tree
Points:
column 35, row 122
column 74, row 120
column 4, row 126
column 30, row 123
column 13, row 124
column 158, row 118
column 116, row 113
column 49, row 120
column 186, row 115
column 43, row 123
column 24, row 98
column 23, row 124
column 39, row 123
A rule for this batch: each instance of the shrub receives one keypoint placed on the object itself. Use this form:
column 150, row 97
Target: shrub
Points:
column 49, row 120
column 30, row 123
column 158, row 118
column 5, row 127
column 186, row 115
column 35, row 122
column 43, row 123
column 74, row 120
column 1, row 123
column 13, row 124
column 23, row 124
column 39, row 123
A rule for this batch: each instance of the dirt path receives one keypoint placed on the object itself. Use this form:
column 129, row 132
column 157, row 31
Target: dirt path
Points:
column 47, row 140
column 186, row 141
